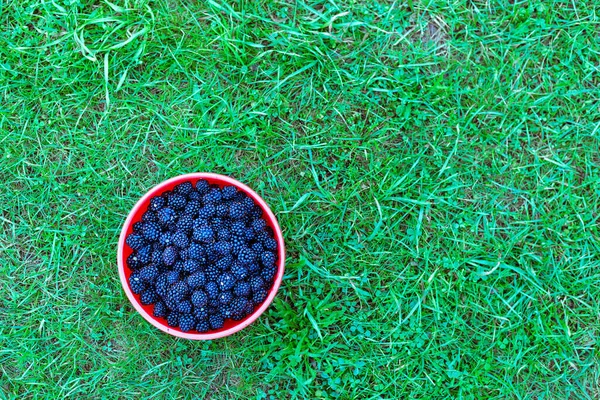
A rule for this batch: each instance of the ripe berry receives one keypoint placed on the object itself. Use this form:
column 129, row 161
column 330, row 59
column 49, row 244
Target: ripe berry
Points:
column 256, row 212
column 225, row 297
column 166, row 216
column 237, row 210
column 136, row 284
column 238, row 229
column 161, row 284
column 143, row 254
column 185, row 223
column 208, row 211
column 221, row 210
column 203, row 326
column 177, row 201
column 268, row 273
column 268, row 259
column 156, row 203
column 241, row 289
column 259, row 225
column 226, row 281
column 200, row 312
column 133, row 262
column 223, row 233
column 184, row 188
column 192, row 208
column 173, row 319
column 196, row 280
column 194, row 195
column 184, row 306
column 165, row 238
column 212, row 290
column 149, row 216
column 228, row 192
column 270, row 244
column 238, row 305
column 202, row 186
column 187, row 322
column 148, row 296
column 137, row 227
column 239, row 270
column 216, row 321
column 259, row 296
column 222, row 247
column 212, row 272
column 172, row 277
column 225, row 263
column 191, row 265
column 204, row 234
column 135, row 241
column 169, row 255
column 160, row 310
column 246, row 255
column 257, row 283
column 178, row 291
column 199, row 298
column 180, row 239
column 148, row 273
column 151, row 231
column 213, row 196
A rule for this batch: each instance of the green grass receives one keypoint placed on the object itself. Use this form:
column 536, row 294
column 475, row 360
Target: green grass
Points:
column 434, row 166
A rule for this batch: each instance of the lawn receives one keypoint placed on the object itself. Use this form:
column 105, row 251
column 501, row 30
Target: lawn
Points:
column 434, row 165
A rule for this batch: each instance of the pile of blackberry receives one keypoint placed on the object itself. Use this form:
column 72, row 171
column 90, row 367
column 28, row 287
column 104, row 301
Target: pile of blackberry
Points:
column 202, row 254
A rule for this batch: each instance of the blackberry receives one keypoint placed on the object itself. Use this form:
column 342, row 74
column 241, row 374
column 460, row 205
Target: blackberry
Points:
column 148, row 273
column 237, row 244
column 238, row 305
column 194, row 195
column 262, row 236
column 136, row 284
column 156, row 256
column 222, row 247
column 221, row 210
column 214, row 303
column 268, row 273
column 184, row 307
column 267, row 258
column 223, row 233
column 161, row 284
column 253, row 268
column 200, row 223
column 224, row 310
column 217, row 223
column 237, row 210
column 166, row 216
column 242, row 289
column 256, row 212
column 199, row 298
column 212, row 272
column 249, row 234
column 173, row 319
column 165, row 238
column 196, row 252
column 160, row 310
column 135, row 241
column 212, row 290
column 204, row 234
column 239, row 270
column 178, row 291
column 239, row 196
column 170, row 303
column 208, row 211
column 200, row 312
column 184, row 254
column 270, row 244
column 148, row 296
column 185, row 223
column 246, row 255
column 238, row 229
column 177, row 201
column 172, row 277
column 151, row 231
column 187, row 322
column 203, row 326
column 212, row 310
column 137, row 227
column 169, row 255
column 228, row 192
column 196, row 280
column 248, row 203
column 225, row 297
column 226, row 281
column 156, row 203
column 257, row 248
column 259, row 296
column 249, row 308
column 192, row 208
column 213, row 196
column 180, row 239
column 149, row 216
column 178, row 266
column 257, row 283
column 202, row 186
column 237, row 317
column 184, row 188
column 143, row 254
column 259, row 225
column 216, row 321
column 133, row 262
column 225, row 263
column 191, row 266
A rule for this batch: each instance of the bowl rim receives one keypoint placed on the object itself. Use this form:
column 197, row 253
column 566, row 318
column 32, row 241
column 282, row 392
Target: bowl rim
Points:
column 158, row 188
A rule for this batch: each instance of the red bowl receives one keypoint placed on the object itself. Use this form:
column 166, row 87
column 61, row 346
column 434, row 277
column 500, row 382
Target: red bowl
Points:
column 124, row 251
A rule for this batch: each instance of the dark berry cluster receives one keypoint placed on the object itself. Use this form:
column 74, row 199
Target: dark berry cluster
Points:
column 202, row 254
